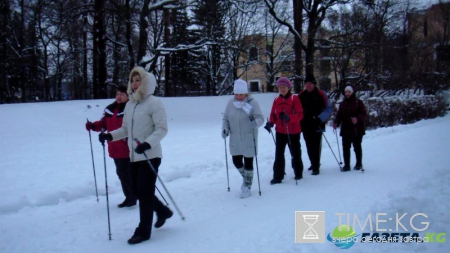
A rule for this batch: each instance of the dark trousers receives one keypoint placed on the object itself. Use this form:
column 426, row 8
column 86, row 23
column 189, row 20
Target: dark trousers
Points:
column 247, row 164
column 293, row 142
column 123, row 172
column 313, row 141
column 347, row 142
column 143, row 181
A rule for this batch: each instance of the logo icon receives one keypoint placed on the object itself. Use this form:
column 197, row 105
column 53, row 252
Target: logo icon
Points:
column 310, row 227
column 343, row 236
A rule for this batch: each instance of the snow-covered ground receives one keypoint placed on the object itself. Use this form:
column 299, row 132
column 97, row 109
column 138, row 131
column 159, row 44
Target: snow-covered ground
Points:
column 48, row 201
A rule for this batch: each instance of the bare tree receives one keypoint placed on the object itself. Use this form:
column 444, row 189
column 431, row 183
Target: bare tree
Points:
column 315, row 11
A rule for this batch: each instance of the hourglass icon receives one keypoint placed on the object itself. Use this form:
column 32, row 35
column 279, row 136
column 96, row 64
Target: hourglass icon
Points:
column 310, row 233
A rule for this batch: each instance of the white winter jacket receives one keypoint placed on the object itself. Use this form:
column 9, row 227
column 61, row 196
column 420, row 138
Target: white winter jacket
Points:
column 144, row 118
column 237, row 122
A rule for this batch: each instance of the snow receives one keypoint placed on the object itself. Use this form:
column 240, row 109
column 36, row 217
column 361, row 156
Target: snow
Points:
column 49, row 202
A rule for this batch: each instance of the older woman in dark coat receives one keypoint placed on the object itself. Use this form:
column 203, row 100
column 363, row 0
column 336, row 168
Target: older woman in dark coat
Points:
column 351, row 116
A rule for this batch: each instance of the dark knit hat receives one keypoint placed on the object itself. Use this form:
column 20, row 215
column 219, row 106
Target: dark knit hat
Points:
column 310, row 78
column 122, row 89
column 284, row 81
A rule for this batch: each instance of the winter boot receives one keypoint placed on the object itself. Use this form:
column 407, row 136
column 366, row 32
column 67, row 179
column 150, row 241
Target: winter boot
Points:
column 275, row 181
column 346, row 168
column 242, row 172
column 123, row 204
column 248, row 180
column 139, row 236
column 162, row 217
column 358, row 167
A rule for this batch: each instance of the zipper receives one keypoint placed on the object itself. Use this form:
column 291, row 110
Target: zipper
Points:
column 132, row 126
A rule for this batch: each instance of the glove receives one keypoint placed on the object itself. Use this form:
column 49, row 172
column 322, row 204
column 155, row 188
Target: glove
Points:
column 268, row 126
column 142, row 147
column 284, row 117
column 254, row 125
column 224, row 133
column 102, row 137
column 90, row 126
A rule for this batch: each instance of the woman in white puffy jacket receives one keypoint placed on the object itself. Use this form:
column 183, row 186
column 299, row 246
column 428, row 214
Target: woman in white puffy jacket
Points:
column 241, row 120
column 145, row 120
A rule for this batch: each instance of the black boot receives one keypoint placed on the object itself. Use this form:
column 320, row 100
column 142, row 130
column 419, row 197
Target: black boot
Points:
column 138, row 236
column 346, row 168
column 123, row 204
column 163, row 217
column 131, row 202
column 275, row 181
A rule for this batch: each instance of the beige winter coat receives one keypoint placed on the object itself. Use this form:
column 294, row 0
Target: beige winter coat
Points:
column 144, row 118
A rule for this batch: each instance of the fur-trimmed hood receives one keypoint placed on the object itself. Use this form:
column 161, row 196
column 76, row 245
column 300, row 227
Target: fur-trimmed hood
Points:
column 147, row 87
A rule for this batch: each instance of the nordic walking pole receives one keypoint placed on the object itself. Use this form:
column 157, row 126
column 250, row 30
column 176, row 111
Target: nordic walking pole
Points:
column 256, row 157
column 226, row 162
column 339, row 150
column 106, row 186
column 332, row 151
column 272, row 134
column 93, row 166
column 161, row 195
column 162, row 183
column 289, row 140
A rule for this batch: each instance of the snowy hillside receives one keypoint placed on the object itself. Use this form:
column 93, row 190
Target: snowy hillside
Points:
column 48, row 199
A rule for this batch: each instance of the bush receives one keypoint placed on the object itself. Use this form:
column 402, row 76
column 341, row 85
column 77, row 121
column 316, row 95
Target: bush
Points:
column 395, row 110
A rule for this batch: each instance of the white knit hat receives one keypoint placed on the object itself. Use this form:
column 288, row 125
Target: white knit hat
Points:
column 349, row 88
column 240, row 87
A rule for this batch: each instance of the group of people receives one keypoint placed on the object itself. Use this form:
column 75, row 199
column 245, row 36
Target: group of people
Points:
column 136, row 122
column 291, row 115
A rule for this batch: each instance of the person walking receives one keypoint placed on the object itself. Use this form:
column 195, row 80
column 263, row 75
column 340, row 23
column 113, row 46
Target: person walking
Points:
column 241, row 120
column 317, row 109
column 351, row 116
column 286, row 114
column 145, row 120
column 118, row 151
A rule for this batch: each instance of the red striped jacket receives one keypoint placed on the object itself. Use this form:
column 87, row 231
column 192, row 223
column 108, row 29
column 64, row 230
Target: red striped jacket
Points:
column 112, row 120
column 290, row 105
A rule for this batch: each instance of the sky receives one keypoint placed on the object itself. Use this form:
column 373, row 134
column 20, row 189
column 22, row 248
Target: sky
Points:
column 49, row 200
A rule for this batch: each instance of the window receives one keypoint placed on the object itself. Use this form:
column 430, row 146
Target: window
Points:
column 253, row 54
column 254, row 86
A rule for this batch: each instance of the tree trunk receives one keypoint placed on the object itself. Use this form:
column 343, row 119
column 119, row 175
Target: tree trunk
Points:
column 128, row 34
column 298, row 24
column 168, row 80
column 99, row 54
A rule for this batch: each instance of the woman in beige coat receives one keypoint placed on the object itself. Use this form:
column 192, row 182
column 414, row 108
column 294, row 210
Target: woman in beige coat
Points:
column 144, row 119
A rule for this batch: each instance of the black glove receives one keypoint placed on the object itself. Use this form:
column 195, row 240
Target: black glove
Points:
column 102, row 137
column 142, row 147
column 268, row 126
column 284, row 117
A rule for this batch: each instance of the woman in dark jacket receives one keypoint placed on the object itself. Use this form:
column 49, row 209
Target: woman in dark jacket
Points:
column 351, row 116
